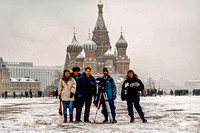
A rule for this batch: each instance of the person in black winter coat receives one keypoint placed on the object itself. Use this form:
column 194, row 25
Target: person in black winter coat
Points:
column 30, row 92
column 14, row 95
column 6, row 94
column 86, row 89
column 26, row 93
column 76, row 74
column 129, row 92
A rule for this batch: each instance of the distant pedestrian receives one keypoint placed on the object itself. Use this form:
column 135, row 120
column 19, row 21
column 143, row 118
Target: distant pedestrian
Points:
column 30, row 92
column 6, row 94
column 14, row 94
column 26, row 93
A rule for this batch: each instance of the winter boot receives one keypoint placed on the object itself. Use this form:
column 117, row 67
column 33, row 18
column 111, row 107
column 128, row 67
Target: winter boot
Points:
column 144, row 120
column 132, row 120
column 114, row 121
column 65, row 118
column 71, row 117
column 106, row 120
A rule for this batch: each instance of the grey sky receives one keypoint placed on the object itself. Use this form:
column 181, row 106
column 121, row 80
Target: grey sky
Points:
column 163, row 35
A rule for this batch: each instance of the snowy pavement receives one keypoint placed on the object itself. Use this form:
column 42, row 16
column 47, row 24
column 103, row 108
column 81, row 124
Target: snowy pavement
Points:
column 164, row 114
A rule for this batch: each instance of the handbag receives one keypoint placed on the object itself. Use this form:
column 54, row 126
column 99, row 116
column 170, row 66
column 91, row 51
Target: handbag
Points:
column 60, row 108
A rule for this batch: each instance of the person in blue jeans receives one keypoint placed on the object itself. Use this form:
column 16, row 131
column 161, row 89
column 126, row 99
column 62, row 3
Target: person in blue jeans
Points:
column 66, row 91
column 111, row 92
column 130, row 88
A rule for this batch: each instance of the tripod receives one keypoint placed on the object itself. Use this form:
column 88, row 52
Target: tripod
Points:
column 101, row 97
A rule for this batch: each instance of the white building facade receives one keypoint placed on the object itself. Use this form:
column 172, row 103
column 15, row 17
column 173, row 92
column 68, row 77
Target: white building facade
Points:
column 46, row 75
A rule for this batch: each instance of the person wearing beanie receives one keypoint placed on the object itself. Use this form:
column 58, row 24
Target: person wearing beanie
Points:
column 76, row 74
column 110, row 90
column 66, row 91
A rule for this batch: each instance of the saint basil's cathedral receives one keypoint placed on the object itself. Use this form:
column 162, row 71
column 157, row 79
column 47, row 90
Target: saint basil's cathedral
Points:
column 98, row 51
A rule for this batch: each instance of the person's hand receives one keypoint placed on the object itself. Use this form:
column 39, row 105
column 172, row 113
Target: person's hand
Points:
column 94, row 97
column 114, row 97
column 79, row 95
column 71, row 95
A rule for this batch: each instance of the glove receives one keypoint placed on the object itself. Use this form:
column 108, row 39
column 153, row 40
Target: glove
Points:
column 114, row 97
column 71, row 95
column 79, row 95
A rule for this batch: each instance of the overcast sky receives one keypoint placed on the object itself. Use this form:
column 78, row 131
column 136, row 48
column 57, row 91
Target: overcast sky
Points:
column 163, row 35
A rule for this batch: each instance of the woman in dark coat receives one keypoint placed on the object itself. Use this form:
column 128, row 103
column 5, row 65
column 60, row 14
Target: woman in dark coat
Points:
column 130, row 88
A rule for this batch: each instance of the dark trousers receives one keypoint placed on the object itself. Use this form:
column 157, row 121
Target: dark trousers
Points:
column 137, row 107
column 112, row 108
column 80, row 103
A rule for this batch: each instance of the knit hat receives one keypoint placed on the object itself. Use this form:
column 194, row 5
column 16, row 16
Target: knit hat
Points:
column 105, row 69
column 76, row 69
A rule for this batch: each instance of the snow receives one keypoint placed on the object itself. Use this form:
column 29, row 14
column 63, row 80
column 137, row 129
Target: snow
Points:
column 164, row 114
column 21, row 80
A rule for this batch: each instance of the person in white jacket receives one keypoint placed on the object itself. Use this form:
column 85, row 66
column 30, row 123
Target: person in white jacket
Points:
column 66, row 91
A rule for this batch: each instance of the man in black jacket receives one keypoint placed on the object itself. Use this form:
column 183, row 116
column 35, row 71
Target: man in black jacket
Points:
column 86, row 89
column 76, row 74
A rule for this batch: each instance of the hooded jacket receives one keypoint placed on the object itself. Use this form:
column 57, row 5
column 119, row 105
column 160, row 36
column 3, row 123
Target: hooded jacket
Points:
column 110, row 87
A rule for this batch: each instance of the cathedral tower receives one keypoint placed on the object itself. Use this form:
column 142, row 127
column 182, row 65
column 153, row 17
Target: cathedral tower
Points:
column 73, row 50
column 90, row 61
column 122, row 60
column 101, row 38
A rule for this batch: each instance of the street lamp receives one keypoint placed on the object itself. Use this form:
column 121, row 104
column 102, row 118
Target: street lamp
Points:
column 159, row 82
column 143, row 77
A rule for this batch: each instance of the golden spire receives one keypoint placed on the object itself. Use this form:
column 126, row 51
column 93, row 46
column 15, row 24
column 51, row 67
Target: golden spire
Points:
column 121, row 30
column 100, row 3
column 89, row 33
column 74, row 31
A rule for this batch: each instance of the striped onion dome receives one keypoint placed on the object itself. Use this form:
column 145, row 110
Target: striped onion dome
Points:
column 74, row 46
column 89, row 45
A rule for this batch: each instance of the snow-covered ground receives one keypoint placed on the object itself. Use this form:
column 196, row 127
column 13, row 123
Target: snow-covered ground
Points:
column 164, row 114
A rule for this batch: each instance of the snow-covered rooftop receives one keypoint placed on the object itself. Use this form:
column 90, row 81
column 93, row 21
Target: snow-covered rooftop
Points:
column 21, row 80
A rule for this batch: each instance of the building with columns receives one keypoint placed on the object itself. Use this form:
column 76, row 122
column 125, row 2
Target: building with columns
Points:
column 98, row 51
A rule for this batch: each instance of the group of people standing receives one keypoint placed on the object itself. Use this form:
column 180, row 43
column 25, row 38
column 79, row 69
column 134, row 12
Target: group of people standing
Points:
column 76, row 90
column 14, row 94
